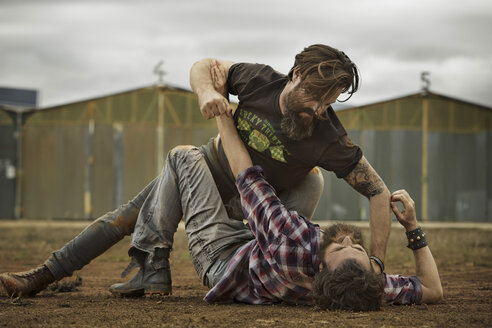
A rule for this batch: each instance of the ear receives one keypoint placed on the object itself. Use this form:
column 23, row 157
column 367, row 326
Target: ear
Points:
column 296, row 75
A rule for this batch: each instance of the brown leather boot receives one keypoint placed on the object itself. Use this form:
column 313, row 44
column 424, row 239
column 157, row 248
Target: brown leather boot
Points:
column 27, row 283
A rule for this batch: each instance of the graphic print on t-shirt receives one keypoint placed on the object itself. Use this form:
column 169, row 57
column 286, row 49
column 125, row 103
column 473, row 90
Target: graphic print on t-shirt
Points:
column 258, row 133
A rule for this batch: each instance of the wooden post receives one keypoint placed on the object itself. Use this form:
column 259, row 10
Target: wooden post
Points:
column 89, row 162
column 19, row 124
column 160, row 129
column 425, row 159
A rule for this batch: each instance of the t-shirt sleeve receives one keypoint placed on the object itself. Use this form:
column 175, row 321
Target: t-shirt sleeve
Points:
column 341, row 156
column 243, row 78
column 402, row 290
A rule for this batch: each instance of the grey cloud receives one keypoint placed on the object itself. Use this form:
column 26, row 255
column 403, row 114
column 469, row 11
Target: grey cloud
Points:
column 100, row 46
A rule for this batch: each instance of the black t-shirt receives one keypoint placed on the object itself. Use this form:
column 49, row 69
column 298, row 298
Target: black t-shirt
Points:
column 285, row 161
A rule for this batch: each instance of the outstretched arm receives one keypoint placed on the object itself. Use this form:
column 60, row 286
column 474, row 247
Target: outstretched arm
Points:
column 367, row 182
column 234, row 148
column 212, row 102
column 236, row 153
column 424, row 261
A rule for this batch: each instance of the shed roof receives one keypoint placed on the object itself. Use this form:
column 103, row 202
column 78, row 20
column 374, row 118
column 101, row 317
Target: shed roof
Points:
column 427, row 94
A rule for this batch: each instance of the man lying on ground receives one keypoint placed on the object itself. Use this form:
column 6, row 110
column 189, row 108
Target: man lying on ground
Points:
column 286, row 260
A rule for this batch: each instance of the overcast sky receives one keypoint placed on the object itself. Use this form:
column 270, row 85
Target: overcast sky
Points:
column 74, row 50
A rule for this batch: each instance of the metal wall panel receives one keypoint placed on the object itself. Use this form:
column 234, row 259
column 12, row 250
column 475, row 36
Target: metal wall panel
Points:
column 8, row 161
column 459, row 157
column 103, row 176
column 458, row 187
column 139, row 165
column 395, row 155
column 54, row 168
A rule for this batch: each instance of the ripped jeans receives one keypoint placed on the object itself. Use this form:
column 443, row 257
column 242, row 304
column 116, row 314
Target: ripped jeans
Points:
column 185, row 189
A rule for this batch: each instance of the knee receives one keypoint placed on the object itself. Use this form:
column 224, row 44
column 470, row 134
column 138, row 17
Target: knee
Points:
column 124, row 219
column 179, row 155
column 179, row 150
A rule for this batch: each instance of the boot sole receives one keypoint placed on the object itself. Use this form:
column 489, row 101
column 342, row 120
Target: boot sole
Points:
column 153, row 293
column 140, row 292
column 128, row 293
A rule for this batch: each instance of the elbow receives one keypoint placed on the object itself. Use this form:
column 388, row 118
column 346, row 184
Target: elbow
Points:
column 434, row 295
column 203, row 61
column 439, row 294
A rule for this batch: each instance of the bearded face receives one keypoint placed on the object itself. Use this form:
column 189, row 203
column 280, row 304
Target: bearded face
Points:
column 298, row 121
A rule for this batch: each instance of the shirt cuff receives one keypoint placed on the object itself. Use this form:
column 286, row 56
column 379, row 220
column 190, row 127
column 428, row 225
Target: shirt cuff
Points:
column 251, row 173
column 418, row 288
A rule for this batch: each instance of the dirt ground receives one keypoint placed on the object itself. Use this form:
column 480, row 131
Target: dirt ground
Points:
column 463, row 255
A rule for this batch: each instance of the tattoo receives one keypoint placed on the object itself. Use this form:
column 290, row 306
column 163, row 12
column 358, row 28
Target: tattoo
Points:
column 365, row 180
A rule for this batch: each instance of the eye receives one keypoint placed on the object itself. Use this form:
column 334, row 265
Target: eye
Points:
column 359, row 248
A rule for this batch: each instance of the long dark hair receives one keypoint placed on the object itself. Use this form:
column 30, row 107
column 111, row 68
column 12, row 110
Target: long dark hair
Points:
column 324, row 70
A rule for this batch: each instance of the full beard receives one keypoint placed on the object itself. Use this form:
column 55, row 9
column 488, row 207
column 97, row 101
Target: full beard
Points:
column 293, row 124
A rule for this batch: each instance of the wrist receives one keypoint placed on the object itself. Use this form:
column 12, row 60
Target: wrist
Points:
column 412, row 226
column 416, row 238
column 379, row 264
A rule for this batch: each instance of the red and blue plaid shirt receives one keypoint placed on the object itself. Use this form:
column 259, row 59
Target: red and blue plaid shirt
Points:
column 280, row 263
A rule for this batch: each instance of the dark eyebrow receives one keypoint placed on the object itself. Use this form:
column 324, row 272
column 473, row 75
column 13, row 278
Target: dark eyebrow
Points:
column 359, row 248
column 339, row 248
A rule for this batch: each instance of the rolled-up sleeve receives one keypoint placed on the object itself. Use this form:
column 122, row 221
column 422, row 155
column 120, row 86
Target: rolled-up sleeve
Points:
column 402, row 290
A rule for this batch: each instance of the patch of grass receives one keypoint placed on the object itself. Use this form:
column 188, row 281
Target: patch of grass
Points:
column 16, row 301
column 485, row 264
column 66, row 286
column 23, row 257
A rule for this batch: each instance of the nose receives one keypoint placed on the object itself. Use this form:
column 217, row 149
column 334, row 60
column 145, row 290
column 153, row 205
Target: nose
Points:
column 347, row 241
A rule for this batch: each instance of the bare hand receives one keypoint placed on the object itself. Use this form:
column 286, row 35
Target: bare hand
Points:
column 212, row 104
column 407, row 216
column 219, row 77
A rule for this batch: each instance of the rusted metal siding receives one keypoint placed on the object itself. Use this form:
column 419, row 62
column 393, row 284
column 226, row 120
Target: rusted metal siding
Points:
column 54, row 164
column 441, row 155
column 86, row 158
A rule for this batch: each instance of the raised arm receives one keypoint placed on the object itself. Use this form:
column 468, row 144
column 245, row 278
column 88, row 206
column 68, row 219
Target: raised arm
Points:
column 426, row 268
column 367, row 182
column 212, row 102
column 234, row 148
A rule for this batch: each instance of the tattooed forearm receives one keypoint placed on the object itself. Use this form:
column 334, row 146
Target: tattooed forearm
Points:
column 365, row 180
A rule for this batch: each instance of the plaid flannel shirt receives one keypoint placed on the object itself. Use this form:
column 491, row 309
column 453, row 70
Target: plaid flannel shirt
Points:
column 280, row 263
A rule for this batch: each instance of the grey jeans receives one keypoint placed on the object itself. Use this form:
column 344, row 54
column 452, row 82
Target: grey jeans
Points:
column 184, row 189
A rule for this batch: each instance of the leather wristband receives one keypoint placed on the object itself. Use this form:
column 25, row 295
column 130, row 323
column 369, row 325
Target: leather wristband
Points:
column 416, row 239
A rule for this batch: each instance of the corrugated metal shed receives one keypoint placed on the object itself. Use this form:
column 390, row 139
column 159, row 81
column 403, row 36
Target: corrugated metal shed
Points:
column 85, row 158
column 437, row 147
column 15, row 104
